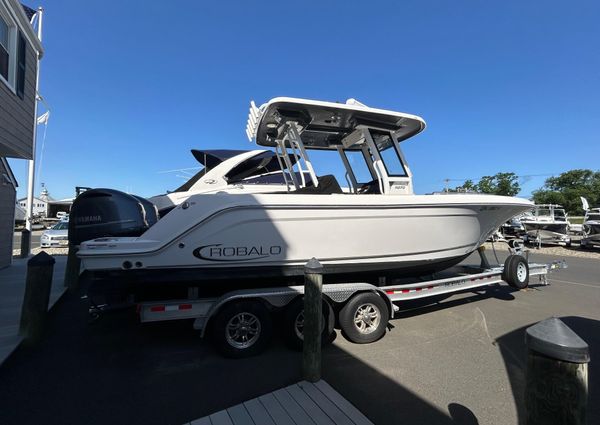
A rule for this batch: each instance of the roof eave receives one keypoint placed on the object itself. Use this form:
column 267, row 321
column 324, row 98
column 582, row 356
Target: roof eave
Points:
column 25, row 25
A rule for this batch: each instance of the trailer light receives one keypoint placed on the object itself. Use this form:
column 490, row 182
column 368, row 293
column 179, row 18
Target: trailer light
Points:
column 185, row 306
column 157, row 308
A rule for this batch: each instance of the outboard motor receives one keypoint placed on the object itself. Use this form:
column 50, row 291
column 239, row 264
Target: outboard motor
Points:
column 98, row 213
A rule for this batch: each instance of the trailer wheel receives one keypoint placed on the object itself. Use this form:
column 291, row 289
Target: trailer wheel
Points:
column 293, row 324
column 364, row 318
column 242, row 329
column 516, row 271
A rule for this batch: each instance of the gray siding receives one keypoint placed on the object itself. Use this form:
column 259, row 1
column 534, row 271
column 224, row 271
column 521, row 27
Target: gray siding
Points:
column 7, row 220
column 16, row 114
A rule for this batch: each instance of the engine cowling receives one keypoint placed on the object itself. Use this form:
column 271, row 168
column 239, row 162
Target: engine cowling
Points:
column 98, row 213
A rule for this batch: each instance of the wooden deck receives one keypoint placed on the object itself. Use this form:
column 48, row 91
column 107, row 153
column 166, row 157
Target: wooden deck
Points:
column 299, row 404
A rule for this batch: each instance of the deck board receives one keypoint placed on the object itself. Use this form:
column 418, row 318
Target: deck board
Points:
column 303, row 403
column 277, row 412
column 329, row 408
column 348, row 408
column 239, row 415
column 293, row 409
column 258, row 412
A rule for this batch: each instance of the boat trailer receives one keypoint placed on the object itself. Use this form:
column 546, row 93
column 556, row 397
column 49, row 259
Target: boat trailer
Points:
column 240, row 322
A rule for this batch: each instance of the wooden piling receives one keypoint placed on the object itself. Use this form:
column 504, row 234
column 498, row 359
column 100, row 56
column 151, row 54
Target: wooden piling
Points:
column 556, row 389
column 313, row 316
column 72, row 269
column 25, row 243
column 37, row 296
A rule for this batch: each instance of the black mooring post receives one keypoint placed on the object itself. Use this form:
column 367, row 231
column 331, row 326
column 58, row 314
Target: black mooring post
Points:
column 556, row 388
column 72, row 269
column 37, row 296
column 313, row 306
column 25, row 243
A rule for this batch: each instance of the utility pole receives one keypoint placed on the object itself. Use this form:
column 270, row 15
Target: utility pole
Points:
column 31, row 179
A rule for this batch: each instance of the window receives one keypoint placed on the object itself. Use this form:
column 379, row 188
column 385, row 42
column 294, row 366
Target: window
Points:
column 63, row 225
column 389, row 156
column 359, row 166
column 13, row 53
column 4, row 48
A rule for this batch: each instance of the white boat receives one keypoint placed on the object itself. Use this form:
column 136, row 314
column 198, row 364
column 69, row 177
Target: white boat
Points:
column 547, row 223
column 376, row 226
column 591, row 226
column 227, row 170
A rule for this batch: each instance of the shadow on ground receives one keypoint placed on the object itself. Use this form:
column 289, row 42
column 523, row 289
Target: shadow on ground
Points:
column 118, row 371
column 514, row 352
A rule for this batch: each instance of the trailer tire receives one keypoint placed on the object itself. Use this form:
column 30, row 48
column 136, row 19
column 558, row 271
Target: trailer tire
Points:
column 242, row 329
column 516, row 271
column 292, row 320
column 364, row 318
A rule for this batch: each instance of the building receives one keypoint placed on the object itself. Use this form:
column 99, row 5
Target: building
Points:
column 40, row 204
column 8, row 192
column 46, row 207
column 20, row 49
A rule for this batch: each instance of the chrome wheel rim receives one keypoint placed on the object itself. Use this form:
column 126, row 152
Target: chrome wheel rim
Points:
column 242, row 330
column 367, row 318
column 299, row 325
column 521, row 272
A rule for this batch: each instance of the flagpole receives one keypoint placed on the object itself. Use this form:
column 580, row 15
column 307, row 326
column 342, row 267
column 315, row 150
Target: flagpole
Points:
column 31, row 177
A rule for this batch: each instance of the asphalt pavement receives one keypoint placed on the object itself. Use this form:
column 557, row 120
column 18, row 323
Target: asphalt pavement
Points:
column 460, row 360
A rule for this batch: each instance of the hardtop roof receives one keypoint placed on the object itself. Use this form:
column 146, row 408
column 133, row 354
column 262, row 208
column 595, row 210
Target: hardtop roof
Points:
column 324, row 124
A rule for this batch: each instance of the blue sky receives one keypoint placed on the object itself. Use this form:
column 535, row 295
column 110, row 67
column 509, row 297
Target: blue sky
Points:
column 133, row 86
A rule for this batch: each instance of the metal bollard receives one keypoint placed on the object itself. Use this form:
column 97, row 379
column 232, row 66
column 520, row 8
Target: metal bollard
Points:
column 25, row 243
column 556, row 387
column 37, row 295
column 72, row 269
column 313, row 316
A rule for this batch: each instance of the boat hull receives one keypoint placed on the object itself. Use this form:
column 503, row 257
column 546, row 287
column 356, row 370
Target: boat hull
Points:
column 547, row 232
column 270, row 231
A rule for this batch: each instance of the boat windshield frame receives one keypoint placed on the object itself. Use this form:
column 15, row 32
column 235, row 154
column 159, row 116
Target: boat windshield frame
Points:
column 297, row 168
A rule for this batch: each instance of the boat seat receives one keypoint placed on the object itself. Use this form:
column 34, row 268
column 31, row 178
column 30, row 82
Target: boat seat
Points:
column 327, row 186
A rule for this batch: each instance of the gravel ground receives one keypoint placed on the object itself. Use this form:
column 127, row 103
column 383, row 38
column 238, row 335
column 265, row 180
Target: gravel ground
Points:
column 555, row 250
column 51, row 251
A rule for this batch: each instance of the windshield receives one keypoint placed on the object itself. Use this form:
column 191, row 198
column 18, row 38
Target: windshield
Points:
column 359, row 166
column 63, row 225
column 389, row 155
column 543, row 212
column 559, row 213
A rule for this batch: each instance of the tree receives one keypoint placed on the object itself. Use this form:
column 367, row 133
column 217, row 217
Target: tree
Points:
column 506, row 184
column 568, row 187
column 467, row 186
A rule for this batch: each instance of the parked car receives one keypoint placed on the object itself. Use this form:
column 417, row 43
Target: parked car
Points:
column 62, row 215
column 56, row 236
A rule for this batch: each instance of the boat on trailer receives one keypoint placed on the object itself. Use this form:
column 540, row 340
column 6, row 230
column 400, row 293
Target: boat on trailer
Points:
column 591, row 226
column 373, row 227
column 547, row 223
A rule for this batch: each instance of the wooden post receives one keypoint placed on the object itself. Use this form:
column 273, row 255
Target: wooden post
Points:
column 313, row 316
column 37, row 295
column 556, row 388
column 25, row 243
column 72, row 269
